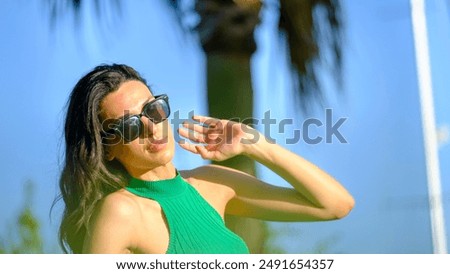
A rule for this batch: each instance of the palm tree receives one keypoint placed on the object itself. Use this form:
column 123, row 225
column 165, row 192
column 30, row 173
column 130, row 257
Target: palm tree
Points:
column 226, row 29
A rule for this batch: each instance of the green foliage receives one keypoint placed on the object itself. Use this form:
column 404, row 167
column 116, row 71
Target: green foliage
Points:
column 271, row 245
column 26, row 230
column 281, row 234
column 324, row 246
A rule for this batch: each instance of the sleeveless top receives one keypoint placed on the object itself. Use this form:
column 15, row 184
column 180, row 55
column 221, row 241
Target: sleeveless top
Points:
column 195, row 227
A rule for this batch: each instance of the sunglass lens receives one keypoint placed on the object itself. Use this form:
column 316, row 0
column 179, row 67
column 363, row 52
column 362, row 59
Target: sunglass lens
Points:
column 157, row 111
column 131, row 128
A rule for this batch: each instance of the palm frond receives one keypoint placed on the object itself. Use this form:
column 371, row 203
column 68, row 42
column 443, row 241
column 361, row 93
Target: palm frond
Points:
column 312, row 29
column 59, row 7
column 227, row 26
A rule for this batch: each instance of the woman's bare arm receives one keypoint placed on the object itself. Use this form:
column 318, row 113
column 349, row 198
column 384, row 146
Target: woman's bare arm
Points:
column 314, row 195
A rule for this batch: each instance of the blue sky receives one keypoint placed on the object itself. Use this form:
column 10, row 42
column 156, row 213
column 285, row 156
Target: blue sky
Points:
column 382, row 164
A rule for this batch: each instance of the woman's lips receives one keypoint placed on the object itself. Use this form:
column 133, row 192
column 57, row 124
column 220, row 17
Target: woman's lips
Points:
column 157, row 145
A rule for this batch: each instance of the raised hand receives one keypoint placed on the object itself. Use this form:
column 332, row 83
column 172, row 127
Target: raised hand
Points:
column 218, row 139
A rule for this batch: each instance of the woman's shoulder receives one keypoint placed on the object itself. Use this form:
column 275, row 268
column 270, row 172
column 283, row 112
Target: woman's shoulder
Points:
column 209, row 171
column 231, row 180
column 210, row 177
column 218, row 174
column 113, row 218
column 118, row 205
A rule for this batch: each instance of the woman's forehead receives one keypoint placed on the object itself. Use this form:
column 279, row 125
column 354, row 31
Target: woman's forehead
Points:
column 129, row 98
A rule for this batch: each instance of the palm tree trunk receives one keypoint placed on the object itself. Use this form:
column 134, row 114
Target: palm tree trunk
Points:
column 230, row 96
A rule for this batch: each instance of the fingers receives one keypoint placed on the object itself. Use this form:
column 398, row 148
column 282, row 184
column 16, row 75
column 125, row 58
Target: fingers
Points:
column 206, row 120
column 188, row 146
column 209, row 135
column 206, row 154
column 201, row 134
column 192, row 135
column 201, row 150
column 200, row 128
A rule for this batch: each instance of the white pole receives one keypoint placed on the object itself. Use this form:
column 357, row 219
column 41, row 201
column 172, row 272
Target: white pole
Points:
column 429, row 126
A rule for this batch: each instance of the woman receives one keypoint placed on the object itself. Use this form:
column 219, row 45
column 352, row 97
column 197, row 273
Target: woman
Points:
column 123, row 194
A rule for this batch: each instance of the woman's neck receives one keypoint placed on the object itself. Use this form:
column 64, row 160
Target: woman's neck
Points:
column 163, row 172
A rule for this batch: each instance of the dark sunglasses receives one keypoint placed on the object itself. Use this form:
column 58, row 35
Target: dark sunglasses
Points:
column 130, row 127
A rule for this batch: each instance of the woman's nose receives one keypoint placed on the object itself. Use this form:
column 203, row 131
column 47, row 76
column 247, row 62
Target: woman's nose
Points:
column 149, row 128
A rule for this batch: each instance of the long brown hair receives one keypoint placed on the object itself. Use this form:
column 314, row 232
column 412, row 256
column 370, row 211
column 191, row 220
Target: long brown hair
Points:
column 86, row 176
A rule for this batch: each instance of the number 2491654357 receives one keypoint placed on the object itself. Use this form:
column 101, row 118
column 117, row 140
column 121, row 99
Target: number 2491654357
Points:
column 296, row 264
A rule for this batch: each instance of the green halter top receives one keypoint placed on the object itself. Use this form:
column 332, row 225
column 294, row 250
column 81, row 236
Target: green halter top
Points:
column 195, row 227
